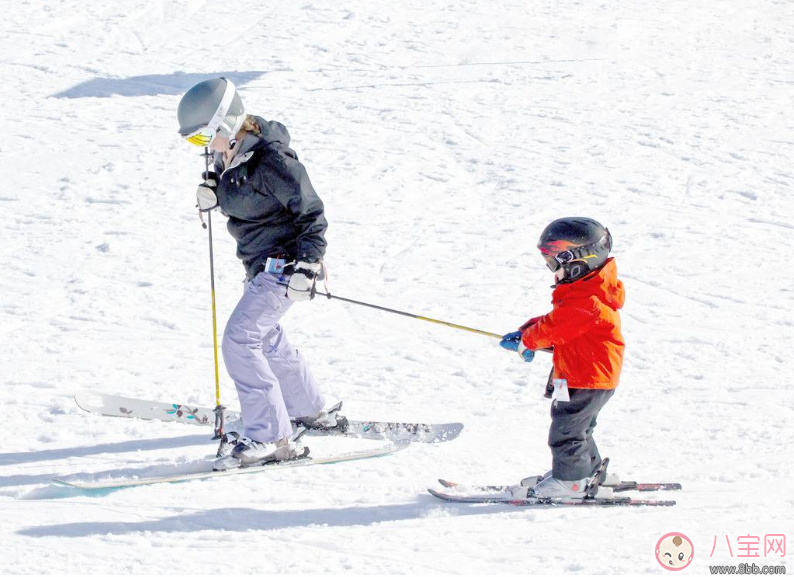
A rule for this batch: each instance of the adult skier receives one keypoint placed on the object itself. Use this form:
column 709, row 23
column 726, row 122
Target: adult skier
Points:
column 584, row 330
column 278, row 221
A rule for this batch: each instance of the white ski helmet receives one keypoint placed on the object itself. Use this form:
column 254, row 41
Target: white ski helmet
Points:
column 210, row 107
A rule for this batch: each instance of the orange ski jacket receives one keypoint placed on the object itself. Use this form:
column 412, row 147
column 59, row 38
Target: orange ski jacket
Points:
column 584, row 329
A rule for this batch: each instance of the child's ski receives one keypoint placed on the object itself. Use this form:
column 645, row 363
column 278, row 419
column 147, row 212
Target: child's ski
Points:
column 622, row 486
column 545, row 502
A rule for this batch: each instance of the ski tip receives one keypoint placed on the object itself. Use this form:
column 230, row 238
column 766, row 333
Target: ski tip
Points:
column 450, row 433
column 438, row 494
column 87, row 400
column 446, row 484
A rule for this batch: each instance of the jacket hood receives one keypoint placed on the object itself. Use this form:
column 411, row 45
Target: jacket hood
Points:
column 272, row 133
column 603, row 284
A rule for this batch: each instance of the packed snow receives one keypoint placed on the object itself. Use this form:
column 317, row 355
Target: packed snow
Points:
column 442, row 138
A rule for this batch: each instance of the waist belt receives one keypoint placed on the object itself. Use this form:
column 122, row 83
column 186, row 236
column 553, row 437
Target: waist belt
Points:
column 277, row 265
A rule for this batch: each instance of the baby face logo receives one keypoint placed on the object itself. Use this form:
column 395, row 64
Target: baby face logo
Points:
column 674, row 551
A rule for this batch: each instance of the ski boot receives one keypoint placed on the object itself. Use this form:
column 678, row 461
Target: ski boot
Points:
column 610, row 480
column 245, row 452
column 228, row 441
column 596, row 488
column 552, row 488
column 521, row 491
column 549, row 487
column 534, row 480
column 329, row 421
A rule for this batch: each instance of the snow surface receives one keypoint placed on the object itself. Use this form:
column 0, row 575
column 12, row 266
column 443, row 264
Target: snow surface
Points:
column 442, row 137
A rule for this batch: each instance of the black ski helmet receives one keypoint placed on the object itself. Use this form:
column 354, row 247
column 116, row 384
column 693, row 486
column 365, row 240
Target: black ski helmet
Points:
column 576, row 244
column 210, row 107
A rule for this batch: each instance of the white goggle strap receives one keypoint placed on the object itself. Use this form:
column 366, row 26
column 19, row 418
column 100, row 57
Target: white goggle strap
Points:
column 223, row 108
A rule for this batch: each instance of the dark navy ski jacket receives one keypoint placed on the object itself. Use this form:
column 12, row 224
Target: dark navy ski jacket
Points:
column 272, row 207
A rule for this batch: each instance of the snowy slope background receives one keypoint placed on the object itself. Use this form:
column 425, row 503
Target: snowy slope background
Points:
column 442, row 137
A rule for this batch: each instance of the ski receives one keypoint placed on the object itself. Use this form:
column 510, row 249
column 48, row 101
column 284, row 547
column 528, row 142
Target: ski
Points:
column 645, row 487
column 117, row 406
column 623, row 486
column 203, row 470
column 546, row 502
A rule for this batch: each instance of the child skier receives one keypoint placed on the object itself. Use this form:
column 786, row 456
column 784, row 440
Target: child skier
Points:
column 584, row 330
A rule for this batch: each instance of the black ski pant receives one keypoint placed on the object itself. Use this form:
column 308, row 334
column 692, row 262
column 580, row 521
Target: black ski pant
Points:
column 573, row 450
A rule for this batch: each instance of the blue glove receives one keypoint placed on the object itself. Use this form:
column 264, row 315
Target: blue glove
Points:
column 512, row 342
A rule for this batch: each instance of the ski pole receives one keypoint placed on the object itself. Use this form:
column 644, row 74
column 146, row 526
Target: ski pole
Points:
column 218, row 410
column 413, row 316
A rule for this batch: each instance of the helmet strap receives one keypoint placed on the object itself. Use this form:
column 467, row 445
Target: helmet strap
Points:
column 576, row 269
column 233, row 124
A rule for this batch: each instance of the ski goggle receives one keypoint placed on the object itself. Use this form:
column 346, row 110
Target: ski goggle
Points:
column 203, row 136
column 555, row 261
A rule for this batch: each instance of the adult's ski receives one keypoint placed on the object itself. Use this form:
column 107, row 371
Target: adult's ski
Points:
column 546, row 502
column 203, row 470
column 117, row 406
column 620, row 487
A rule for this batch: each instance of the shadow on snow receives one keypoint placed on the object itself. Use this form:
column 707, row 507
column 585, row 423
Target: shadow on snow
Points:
column 242, row 520
column 122, row 447
column 150, row 84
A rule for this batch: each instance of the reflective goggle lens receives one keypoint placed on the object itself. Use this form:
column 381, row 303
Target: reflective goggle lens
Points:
column 551, row 262
column 201, row 137
column 554, row 261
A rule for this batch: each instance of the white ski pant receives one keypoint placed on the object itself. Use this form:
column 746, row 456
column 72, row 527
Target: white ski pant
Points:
column 273, row 380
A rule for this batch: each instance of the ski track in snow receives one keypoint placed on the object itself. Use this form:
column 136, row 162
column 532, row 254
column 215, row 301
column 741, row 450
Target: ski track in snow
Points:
column 442, row 139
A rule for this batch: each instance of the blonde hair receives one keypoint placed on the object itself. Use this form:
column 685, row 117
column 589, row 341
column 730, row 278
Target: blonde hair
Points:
column 251, row 125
